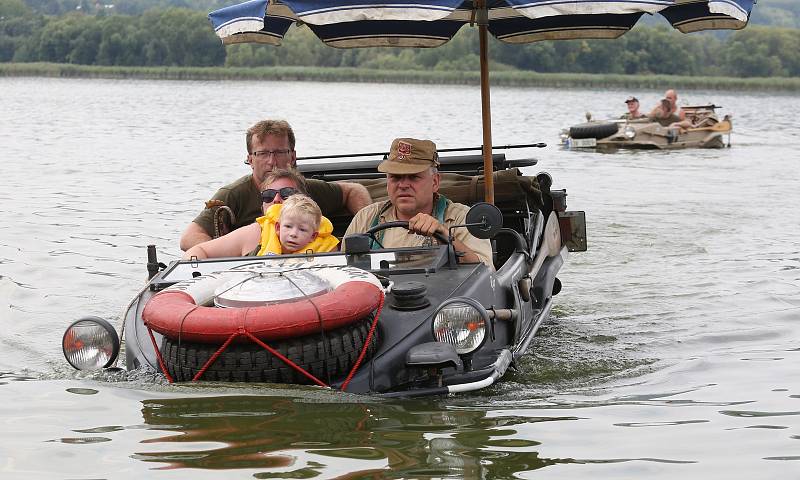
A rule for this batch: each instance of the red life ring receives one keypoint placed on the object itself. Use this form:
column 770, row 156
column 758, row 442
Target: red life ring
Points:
column 183, row 310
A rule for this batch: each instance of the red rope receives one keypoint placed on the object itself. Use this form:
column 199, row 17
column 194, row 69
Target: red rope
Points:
column 286, row 360
column 366, row 344
column 159, row 357
column 274, row 352
column 217, row 354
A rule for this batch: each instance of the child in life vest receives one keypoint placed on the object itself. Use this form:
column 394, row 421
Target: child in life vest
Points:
column 295, row 226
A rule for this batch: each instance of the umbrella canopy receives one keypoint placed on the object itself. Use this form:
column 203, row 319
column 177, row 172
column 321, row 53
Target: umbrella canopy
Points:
column 430, row 23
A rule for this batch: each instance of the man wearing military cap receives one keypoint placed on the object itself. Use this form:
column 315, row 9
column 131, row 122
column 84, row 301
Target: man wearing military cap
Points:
column 633, row 109
column 412, row 182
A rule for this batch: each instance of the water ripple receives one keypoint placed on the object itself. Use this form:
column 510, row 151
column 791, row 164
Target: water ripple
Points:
column 689, row 290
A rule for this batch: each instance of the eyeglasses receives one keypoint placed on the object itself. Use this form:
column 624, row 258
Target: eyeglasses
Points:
column 268, row 195
column 271, row 153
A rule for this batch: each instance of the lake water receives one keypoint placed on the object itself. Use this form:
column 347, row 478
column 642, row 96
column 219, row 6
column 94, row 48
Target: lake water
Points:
column 673, row 350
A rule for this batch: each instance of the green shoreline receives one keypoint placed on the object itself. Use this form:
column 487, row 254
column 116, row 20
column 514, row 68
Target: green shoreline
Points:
column 320, row 74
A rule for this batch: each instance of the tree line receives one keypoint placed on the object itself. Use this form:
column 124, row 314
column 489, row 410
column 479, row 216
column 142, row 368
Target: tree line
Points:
column 775, row 13
column 184, row 37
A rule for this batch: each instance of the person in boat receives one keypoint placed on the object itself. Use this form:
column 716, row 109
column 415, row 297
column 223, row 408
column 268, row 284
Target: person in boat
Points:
column 412, row 184
column 295, row 226
column 664, row 113
column 672, row 96
column 292, row 223
column 667, row 111
column 270, row 145
column 633, row 109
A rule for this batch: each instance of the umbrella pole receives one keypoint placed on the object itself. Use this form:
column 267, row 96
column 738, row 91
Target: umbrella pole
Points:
column 486, row 114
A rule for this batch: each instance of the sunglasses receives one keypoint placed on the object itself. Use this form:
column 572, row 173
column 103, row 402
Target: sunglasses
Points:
column 268, row 195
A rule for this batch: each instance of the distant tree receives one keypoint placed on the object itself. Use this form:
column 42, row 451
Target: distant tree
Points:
column 777, row 13
column 7, row 48
column 57, row 37
column 17, row 25
column 21, row 26
column 184, row 38
column 156, row 52
column 403, row 60
column 662, row 50
column 302, row 47
column 122, row 42
column 763, row 52
column 111, row 50
column 85, row 46
column 538, row 57
column 13, row 8
column 250, row 55
column 52, row 7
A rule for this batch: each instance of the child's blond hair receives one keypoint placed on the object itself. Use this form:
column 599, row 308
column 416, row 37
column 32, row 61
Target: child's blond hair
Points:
column 299, row 205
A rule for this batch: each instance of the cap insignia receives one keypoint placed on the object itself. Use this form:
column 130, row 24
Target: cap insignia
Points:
column 403, row 150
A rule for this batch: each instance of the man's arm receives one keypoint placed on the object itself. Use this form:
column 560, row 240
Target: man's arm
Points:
column 193, row 235
column 354, row 196
column 201, row 228
column 425, row 224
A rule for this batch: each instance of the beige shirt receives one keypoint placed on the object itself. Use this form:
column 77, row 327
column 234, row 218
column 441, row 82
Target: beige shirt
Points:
column 455, row 214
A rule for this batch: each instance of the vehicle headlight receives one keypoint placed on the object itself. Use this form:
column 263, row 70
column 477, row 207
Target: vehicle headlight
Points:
column 90, row 343
column 461, row 322
column 564, row 135
column 630, row 132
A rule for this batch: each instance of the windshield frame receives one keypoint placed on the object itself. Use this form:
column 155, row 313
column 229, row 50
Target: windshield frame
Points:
column 428, row 260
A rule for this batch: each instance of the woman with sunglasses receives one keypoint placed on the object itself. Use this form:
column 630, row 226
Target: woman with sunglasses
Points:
column 279, row 185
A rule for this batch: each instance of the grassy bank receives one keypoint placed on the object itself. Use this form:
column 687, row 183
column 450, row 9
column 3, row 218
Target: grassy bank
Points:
column 509, row 78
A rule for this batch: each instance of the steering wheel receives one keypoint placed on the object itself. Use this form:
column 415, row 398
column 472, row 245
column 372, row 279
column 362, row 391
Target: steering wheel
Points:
column 400, row 224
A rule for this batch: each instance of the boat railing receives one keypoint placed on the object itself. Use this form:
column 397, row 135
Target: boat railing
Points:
column 338, row 168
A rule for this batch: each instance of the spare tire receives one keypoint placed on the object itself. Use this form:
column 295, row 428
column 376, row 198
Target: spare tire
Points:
column 248, row 362
column 593, row 130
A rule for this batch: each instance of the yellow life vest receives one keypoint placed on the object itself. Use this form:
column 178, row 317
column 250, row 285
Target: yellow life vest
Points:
column 271, row 243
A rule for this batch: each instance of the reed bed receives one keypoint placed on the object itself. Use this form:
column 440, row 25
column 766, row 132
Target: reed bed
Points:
column 320, row 74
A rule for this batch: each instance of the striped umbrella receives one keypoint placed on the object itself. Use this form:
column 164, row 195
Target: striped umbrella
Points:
column 430, row 23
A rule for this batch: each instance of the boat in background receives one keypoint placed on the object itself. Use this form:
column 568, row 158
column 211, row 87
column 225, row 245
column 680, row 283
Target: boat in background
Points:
column 706, row 131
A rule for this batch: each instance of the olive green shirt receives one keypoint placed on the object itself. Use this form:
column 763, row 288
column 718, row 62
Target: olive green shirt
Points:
column 628, row 116
column 454, row 214
column 664, row 118
column 244, row 199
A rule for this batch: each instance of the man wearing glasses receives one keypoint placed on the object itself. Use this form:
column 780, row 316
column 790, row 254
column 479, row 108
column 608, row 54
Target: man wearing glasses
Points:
column 270, row 145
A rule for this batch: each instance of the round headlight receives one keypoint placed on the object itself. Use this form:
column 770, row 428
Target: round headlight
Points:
column 461, row 322
column 90, row 343
column 630, row 132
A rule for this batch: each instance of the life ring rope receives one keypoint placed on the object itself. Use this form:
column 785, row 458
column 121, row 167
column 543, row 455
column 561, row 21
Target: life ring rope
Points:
column 351, row 299
column 366, row 345
column 195, row 294
column 214, row 357
column 198, row 376
column 159, row 357
column 321, row 332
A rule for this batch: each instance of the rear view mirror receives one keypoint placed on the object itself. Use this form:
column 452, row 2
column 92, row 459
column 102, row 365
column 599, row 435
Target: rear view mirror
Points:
column 484, row 220
column 573, row 230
